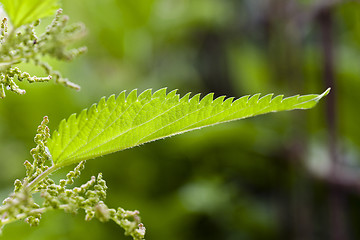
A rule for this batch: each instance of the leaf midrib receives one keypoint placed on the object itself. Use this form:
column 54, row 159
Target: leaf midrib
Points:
column 130, row 129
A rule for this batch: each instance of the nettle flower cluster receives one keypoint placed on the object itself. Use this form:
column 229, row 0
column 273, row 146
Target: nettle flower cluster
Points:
column 90, row 196
column 18, row 45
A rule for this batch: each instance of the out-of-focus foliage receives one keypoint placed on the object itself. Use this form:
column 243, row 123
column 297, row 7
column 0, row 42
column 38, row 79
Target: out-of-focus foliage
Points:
column 256, row 179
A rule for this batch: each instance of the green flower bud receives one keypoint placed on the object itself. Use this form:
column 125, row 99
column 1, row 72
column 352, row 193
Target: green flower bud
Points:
column 102, row 212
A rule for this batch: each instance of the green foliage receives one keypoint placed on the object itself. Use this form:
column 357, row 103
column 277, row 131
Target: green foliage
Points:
column 114, row 125
column 26, row 11
column 119, row 123
column 23, row 45
column 89, row 196
column 124, row 122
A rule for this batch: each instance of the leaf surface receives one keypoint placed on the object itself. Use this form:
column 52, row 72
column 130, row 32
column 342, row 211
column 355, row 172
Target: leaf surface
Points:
column 127, row 121
column 26, row 11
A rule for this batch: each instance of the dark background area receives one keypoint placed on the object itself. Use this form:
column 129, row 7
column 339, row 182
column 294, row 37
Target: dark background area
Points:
column 292, row 175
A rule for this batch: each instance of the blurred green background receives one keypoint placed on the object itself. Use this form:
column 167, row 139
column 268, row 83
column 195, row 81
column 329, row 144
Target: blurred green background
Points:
column 290, row 175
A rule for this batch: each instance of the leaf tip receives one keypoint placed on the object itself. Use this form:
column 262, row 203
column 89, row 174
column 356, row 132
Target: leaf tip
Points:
column 327, row 91
column 324, row 94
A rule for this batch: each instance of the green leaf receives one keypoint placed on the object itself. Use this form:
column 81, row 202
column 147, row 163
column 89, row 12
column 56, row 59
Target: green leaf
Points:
column 22, row 12
column 124, row 122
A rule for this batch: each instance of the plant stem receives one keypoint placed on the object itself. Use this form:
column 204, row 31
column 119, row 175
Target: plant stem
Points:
column 337, row 205
column 41, row 177
column 23, row 215
column 34, row 211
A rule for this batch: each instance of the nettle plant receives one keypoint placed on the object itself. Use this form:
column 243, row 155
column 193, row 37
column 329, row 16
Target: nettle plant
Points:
column 113, row 124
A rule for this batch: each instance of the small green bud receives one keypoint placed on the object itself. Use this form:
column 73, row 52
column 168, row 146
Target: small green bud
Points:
column 33, row 221
column 18, row 185
column 62, row 183
column 29, row 167
column 89, row 215
column 102, row 212
column 36, row 23
column 2, row 91
column 141, row 231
